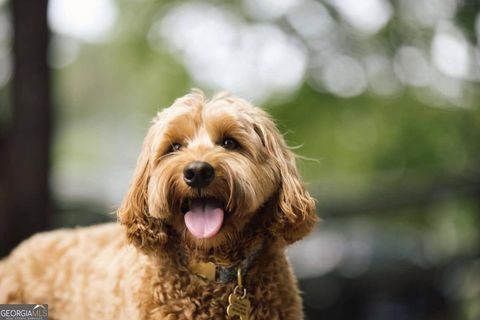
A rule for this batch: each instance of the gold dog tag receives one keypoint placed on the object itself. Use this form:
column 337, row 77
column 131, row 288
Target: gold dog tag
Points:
column 205, row 270
column 238, row 306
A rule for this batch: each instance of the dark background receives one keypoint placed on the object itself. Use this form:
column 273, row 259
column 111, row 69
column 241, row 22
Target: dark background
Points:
column 380, row 99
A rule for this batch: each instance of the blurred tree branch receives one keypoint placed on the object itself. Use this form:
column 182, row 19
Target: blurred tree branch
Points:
column 399, row 196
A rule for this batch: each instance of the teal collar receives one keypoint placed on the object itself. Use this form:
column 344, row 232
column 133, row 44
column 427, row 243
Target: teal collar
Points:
column 222, row 273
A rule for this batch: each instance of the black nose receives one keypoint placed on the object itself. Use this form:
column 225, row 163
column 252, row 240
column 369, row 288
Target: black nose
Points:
column 198, row 174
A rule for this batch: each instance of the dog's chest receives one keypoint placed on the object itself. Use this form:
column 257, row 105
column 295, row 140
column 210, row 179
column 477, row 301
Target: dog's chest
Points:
column 173, row 294
column 202, row 302
column 180, row 296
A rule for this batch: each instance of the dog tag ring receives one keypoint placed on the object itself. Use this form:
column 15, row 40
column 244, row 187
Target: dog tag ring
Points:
column 238, row 304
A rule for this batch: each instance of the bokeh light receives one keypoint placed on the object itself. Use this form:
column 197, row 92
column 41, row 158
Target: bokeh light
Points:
column 87, row 20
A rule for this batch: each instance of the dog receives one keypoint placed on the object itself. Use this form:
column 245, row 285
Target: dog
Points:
column 215, row 199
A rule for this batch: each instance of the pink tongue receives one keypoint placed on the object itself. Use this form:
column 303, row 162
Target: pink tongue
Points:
column 204, row 219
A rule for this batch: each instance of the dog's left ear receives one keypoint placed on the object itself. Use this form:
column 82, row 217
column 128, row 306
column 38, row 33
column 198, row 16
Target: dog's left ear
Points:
column 143, row 230
column 294, row 210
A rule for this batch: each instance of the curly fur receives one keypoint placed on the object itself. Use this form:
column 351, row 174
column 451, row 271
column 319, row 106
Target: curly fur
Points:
column 102, row 272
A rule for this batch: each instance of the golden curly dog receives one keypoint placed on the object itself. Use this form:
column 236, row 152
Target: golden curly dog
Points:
column 215, row 199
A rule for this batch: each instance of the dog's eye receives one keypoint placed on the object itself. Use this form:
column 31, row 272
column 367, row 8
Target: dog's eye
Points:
column 175, row 146
column 229, row 143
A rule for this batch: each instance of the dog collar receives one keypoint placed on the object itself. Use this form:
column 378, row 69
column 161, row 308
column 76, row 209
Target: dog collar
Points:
column 221, row 272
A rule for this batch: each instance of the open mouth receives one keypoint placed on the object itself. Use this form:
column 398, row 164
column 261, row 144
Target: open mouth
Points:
column 203, row 216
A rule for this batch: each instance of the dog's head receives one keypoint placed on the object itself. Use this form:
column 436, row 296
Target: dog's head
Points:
column 206, row 170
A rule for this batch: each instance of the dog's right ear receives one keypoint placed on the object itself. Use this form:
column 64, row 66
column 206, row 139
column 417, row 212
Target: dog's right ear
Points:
column 143, row 230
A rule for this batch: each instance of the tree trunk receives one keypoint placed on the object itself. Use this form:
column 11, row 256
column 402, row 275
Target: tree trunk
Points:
column 27, row 200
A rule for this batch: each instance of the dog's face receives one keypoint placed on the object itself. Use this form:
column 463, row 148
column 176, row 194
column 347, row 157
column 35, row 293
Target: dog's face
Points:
column 208, row 168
